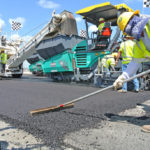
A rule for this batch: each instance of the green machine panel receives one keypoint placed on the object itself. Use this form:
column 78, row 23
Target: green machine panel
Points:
column 36, row 67
column 59, row 63
column 39, row 65
column 32, row 67
column 84, row 58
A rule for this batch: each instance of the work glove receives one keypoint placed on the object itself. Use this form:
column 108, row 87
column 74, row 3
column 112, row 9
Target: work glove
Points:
column 119, row 82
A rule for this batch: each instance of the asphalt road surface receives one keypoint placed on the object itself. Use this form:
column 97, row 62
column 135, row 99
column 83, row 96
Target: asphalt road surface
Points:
column 19, row 96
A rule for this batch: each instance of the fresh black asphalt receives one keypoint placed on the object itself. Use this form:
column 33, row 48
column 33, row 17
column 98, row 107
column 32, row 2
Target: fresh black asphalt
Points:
column 18, row 97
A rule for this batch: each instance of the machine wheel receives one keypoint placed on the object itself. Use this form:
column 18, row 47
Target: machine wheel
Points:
column 17, row 75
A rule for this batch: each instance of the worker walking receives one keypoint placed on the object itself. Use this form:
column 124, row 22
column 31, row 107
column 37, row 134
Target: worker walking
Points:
column 138, row 27
column 108, row 63
column 126, row 50
column 3, row 60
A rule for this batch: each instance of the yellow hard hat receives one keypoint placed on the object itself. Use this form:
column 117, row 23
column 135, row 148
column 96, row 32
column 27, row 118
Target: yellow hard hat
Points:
column 114, row 54
column 2, row 50
column 124, row 18
column 101, row 19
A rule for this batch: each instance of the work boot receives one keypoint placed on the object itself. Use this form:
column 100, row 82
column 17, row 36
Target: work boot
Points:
column 146, row 128
column 136, row 91
column 122, row 91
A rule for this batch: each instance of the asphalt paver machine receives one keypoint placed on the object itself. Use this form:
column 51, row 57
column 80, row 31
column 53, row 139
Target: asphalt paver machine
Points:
column 106, row 43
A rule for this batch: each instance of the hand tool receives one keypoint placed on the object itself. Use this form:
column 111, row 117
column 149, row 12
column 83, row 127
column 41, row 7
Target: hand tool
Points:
column 70, row 104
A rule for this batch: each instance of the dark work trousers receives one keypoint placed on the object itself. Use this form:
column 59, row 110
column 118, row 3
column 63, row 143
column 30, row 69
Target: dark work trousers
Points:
column 3, row 68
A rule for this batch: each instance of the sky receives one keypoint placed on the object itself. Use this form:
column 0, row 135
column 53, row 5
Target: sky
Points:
column 35, row 14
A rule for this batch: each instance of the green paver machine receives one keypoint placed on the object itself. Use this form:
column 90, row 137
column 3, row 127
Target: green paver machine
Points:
column 36, row 68
column 102, row 44
column 81, row 62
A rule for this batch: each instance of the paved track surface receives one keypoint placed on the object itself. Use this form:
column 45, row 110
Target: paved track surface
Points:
column 19, row 96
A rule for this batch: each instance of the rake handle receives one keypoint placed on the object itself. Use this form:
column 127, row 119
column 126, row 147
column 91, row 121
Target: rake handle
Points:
column 104, row 89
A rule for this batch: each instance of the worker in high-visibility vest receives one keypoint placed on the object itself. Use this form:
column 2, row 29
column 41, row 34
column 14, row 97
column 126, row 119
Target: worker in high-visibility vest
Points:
column 126, row 50
column 101, row 25
column 108, row 63
column 3, row 60
column 138, row 27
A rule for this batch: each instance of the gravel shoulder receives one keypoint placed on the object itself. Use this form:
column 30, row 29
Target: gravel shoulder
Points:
column 13, row 138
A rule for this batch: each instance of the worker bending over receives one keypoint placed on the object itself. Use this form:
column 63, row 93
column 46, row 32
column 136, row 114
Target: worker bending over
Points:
column 3, row 60
column 108, row 63
column 126, row 50
column 138, row 27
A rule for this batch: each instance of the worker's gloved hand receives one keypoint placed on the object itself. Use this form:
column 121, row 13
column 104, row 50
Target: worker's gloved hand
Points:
column 119, row 82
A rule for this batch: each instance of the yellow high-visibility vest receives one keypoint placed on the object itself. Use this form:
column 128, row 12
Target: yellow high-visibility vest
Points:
column 3, row 58
column 100, row 27
column 140, row 50
column 126, row 48
column 108, row 60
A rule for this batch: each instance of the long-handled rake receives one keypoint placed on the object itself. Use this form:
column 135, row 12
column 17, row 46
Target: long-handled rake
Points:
column 70, row 104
